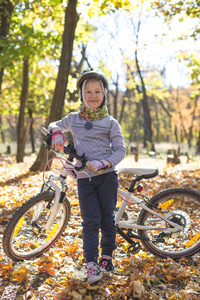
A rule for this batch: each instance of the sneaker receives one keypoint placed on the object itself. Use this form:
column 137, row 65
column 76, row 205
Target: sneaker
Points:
column 94, row 273
column 106, row 265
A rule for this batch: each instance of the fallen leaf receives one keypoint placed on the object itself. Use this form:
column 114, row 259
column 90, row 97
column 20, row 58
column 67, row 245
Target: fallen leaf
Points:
column 20, row 274
column 138, row 289
column 170, row 278
column 47, row 267
column 5, row 269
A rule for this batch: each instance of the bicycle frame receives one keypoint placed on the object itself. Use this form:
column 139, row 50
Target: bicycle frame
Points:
column 50, row 184
column 127, row 197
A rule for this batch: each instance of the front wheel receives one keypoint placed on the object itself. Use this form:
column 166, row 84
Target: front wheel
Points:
column 25, row 236
column 181, row 206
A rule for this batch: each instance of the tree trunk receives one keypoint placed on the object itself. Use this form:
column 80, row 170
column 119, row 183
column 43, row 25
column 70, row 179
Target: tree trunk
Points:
column 30, row 112
column 148, row 134
column 71, row 19
column 127, row 95
column 115, row 97
column 157, row 126
column 6, row 8
column 135, row 125
column 176, row 134
column 21, row 120
column 114, row 102
column 169, row 125
column 1, row 131
column 198, row 144
column 190, row 135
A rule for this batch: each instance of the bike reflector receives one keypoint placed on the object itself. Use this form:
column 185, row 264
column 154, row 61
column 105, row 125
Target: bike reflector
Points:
column 52, row 232
column 166, row 204
column 18, row 226
column 193, row 240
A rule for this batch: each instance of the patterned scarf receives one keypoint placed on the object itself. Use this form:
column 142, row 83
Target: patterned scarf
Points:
column 92, row 115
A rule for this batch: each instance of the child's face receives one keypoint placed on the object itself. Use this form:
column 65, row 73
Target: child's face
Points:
column 93, row 93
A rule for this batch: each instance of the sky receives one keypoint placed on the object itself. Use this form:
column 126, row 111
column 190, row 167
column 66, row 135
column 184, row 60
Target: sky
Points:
column 155, row 49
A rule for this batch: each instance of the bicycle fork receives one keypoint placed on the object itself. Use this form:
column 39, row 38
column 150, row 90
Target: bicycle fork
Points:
column 59, row 196
column 55, row 207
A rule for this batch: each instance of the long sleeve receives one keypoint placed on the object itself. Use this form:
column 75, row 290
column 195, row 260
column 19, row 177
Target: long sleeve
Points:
column 117, row 141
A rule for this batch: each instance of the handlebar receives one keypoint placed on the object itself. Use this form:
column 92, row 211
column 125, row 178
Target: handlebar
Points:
column 69, row 149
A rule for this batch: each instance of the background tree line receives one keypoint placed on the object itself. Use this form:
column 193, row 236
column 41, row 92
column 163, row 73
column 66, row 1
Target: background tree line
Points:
column 45, row 44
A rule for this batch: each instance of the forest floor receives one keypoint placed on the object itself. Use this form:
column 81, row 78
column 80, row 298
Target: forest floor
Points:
column 59, row 273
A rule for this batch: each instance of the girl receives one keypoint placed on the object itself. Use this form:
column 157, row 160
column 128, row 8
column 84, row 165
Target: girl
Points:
column 99, row 136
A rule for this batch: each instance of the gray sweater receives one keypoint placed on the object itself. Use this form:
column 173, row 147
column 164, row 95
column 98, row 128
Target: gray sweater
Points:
column 100, row 139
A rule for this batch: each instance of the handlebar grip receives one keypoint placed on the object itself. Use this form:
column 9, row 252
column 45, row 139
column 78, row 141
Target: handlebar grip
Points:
column 100, row 171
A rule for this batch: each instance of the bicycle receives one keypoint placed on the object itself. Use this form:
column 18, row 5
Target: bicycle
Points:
column 166, row 224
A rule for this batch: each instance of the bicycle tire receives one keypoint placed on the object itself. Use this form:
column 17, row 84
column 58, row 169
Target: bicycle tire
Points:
column 181, row 206
column 24, row 237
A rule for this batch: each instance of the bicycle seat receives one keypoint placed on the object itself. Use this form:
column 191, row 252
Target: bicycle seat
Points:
column 144, row 173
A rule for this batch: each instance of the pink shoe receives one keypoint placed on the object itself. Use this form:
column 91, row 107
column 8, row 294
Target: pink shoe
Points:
column 94, row 273
column 106, row 265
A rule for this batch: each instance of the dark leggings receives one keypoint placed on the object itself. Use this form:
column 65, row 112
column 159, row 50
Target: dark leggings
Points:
column 97, row 200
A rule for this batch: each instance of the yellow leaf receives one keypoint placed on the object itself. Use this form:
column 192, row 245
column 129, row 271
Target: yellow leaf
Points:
column 143, row 254
column 20, row 274
column 194, row 272
column 52, row 282
column 173, row 297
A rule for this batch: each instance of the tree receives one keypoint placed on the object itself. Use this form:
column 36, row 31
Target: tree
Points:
column 186, row 108
column 148, row 133
column 29, row 40
column 182, row 9
column 6, row 8
column 71, row 19
column 141, row 88
column 22, row 131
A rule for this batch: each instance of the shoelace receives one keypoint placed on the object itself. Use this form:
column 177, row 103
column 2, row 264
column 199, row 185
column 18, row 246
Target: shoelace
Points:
column 104, row 264
column 91, row 272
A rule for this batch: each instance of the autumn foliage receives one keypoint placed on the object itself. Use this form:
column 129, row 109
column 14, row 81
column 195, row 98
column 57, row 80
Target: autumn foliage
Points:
column 59, row 273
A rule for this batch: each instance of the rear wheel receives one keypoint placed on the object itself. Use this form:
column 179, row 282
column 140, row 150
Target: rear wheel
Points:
column 181, row 206
column 25, row 236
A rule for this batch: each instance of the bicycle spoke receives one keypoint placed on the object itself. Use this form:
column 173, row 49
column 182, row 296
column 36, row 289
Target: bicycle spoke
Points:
column 26, row 236
column 180, row 206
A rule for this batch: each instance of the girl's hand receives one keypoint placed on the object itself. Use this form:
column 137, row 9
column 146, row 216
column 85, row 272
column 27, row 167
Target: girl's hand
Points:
column 57, row 141
column 96, row 165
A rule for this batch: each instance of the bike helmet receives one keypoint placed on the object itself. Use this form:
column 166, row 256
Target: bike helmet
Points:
column 91, row 73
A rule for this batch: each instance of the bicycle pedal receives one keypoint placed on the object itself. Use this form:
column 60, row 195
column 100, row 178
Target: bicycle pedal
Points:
column 158, row 240
column 134, row 248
